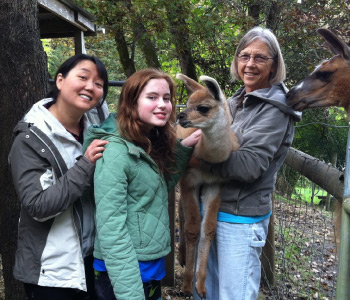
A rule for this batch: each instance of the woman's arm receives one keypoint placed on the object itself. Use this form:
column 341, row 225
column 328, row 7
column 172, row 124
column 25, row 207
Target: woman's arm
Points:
column 37, row 186
column 182, row 156
column 261, row 141
column 183, row 152
column 111, row 188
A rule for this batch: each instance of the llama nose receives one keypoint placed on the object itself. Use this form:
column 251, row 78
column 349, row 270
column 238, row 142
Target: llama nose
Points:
column 181, row 116
column 182, row 119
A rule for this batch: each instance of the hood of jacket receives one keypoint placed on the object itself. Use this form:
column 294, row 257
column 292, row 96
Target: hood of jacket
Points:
column 102, row 132
column 42, row 118
column 275, row 95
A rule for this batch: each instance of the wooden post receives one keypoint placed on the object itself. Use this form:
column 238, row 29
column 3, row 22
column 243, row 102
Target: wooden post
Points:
column 268, row 253
column 79, row 44
column 169, row 279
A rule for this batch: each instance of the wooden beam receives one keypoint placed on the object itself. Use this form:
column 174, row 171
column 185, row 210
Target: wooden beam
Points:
column 85, row 22
column 169, row 279
column 59, row 9
column 64, row 12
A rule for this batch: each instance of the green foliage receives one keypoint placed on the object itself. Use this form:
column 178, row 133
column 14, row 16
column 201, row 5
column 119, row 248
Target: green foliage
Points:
column 214, row 28
column 103, row 47
column 216, row 32
column 301, row 45
column 323, row 132
column 57, row 51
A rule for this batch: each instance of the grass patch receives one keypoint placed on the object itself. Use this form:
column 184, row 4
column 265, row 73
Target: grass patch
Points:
column 308, row 195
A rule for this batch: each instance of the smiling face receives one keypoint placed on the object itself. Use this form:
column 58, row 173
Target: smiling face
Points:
column 256, row 76
column 154, row 104
column 81, row 89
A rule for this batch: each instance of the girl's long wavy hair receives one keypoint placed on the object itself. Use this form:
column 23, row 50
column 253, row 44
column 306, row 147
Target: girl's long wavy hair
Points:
column 159, row 142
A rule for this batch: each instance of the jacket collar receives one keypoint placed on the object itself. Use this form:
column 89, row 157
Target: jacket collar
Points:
column 275, row 95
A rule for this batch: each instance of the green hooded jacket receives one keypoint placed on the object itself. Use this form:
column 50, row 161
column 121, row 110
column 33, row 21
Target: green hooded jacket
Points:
column 131, row 195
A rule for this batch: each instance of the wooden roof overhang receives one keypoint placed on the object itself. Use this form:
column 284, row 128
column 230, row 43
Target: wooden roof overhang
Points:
column 64, row 18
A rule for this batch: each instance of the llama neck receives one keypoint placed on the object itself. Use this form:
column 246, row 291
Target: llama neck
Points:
column 215, row 144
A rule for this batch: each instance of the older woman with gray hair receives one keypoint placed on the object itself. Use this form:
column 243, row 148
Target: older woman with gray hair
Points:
column 266, row 126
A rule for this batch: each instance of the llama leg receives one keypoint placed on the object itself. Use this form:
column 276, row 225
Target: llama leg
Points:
column 211, row 204
column 192, row 230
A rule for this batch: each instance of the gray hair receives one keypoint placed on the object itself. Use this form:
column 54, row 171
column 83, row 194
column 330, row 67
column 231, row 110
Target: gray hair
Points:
column 267, row 36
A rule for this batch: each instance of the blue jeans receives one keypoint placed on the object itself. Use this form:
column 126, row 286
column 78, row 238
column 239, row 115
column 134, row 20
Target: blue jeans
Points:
column 234, row 267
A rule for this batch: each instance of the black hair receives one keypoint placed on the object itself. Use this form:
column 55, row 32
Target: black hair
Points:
column 70, row 63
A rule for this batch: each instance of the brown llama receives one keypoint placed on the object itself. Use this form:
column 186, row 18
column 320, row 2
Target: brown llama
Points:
column 207, row 109
column 327, row 85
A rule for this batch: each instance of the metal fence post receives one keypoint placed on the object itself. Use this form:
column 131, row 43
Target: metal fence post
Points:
column 343, row 286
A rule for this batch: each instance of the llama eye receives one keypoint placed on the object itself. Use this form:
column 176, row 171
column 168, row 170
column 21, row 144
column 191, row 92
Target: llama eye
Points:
column 323, row 76
column 203, row 109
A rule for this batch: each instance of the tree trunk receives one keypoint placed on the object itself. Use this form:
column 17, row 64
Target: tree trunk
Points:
column 177, row 14
column 254, row 12
column 146, row 45
column 142, row 38
column 324, row 175
column 23, row 81
column 122, row 48
column 273, row 15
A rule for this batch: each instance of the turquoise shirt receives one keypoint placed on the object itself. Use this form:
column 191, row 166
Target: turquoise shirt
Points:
column 228, row 218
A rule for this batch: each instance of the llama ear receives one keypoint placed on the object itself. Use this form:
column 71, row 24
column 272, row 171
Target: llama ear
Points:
column 191, row 84
column 334, row 43
column 213, row 87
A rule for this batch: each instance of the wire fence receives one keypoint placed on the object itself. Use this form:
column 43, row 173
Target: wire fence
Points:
column 305, row 251
column 304, row 259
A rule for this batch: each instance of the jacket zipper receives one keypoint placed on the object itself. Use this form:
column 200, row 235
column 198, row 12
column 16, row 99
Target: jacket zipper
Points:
column 61, row 171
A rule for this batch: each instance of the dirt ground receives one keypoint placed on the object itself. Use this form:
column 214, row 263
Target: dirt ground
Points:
column 324, row 270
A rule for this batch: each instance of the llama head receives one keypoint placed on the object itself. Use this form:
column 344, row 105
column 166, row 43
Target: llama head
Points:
column 329, row 83
column 206, row 105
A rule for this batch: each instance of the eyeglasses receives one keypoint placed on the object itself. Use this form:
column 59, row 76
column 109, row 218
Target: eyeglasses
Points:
column 261, row 60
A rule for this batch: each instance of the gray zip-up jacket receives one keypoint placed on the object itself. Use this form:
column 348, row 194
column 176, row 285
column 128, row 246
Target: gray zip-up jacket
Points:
column 265, row 125
column 56, row 226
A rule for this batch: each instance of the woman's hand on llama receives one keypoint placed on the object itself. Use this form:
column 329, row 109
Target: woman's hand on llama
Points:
column 192, row 139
